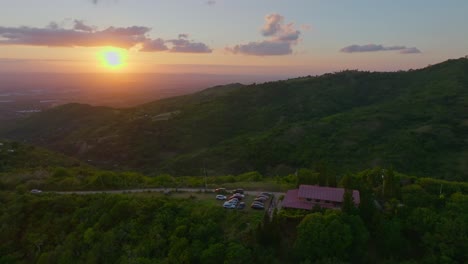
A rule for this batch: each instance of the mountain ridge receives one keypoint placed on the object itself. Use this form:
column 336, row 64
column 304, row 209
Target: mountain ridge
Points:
column 413, row 120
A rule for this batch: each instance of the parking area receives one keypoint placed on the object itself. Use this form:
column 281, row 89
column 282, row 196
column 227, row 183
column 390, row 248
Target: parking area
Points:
column 247, row 200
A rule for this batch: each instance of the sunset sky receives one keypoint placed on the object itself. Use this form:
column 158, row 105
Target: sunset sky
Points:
column 294, row 37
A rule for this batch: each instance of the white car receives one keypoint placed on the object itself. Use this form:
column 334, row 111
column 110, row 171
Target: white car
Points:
column 220, row 197
column 36, row 191
column 230, row 204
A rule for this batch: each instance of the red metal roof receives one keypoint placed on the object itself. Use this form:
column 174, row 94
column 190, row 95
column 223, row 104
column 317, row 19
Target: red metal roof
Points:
column 325, row 193
column 291, row 200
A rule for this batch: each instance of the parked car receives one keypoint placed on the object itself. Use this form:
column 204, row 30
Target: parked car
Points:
column 220, row 190
column 241, row 205
column 220, row 197
column 261, row 199
column 229, row 205
column 258, row 202
column 241, row 191
column 257, row 206
column 263, row 196
column 266, row 193
column 36, row 191
column 233, row 200
column 238, row 195
column 235, row 197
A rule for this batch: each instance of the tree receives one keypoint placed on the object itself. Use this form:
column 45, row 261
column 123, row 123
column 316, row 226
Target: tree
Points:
column 307, row 176
column 213, row 254
column 237, row 253
column 348, row 205
column 323, row 236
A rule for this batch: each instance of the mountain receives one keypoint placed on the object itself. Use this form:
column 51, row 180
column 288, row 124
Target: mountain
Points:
column 414, row 121
column 16, row 156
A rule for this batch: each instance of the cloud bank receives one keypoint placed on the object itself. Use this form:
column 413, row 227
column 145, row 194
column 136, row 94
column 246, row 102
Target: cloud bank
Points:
column 374, row 47
column 280, row 39
column 179, row 45
column 83, row 35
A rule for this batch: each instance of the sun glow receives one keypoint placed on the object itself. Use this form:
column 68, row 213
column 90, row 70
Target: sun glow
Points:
column 113, row 58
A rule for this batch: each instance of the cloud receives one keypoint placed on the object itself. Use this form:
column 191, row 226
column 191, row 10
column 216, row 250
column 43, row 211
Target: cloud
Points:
column 179, row 45
column 81, row 35
column 154, row 45
column 183, row 45
column 281, row 38
column 79, row 25
column 374, row 47
column 412, row 50
column 272, row 24
column 100, row 1
column 264, row 48
column 210, row 2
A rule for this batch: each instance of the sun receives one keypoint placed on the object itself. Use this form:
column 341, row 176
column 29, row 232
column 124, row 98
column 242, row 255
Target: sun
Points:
column 113, row 58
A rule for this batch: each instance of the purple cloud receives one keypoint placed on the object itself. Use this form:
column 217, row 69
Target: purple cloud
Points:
column 82, row 35
column 412, row 50
column 154, row 45
column 264, row 48
column 80, row 25
column 272, row 24
column 79, row 36
column 183, row 45
column 374, row 48
column 183, row 35
column 280, row 40
column 179, row 45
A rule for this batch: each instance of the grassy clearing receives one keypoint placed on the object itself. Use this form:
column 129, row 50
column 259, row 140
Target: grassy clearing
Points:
column 208, row 199
column 271, row 186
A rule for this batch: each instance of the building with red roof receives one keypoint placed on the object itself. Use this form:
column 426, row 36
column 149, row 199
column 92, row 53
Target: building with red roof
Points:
column 308, row 196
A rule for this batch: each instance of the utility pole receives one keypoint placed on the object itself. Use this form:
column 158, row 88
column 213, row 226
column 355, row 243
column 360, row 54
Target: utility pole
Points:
column 383, row 183
column 204, row 173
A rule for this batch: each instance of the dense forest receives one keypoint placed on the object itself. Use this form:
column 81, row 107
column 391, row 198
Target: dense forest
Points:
column 415, row 121
column 400, row 220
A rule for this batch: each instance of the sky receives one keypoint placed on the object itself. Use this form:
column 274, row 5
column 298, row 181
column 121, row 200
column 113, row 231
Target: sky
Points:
column 294, row 37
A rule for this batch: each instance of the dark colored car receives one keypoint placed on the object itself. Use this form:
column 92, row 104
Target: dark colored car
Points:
column 241, row 205
column 257, row 206
column 241, row 191
column 235, row 196
column 261, row 199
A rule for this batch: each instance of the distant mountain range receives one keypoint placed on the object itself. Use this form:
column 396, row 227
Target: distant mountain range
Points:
column 414, row 121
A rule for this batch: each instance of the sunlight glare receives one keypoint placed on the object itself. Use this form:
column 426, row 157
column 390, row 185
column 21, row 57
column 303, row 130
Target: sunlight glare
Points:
column 113, row 58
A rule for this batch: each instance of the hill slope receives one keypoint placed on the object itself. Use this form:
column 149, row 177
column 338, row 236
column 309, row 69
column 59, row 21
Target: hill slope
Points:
column 415, row 121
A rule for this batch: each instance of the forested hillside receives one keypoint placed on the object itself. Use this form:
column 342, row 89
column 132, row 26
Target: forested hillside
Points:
column 415, row 121
column 423, row 221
